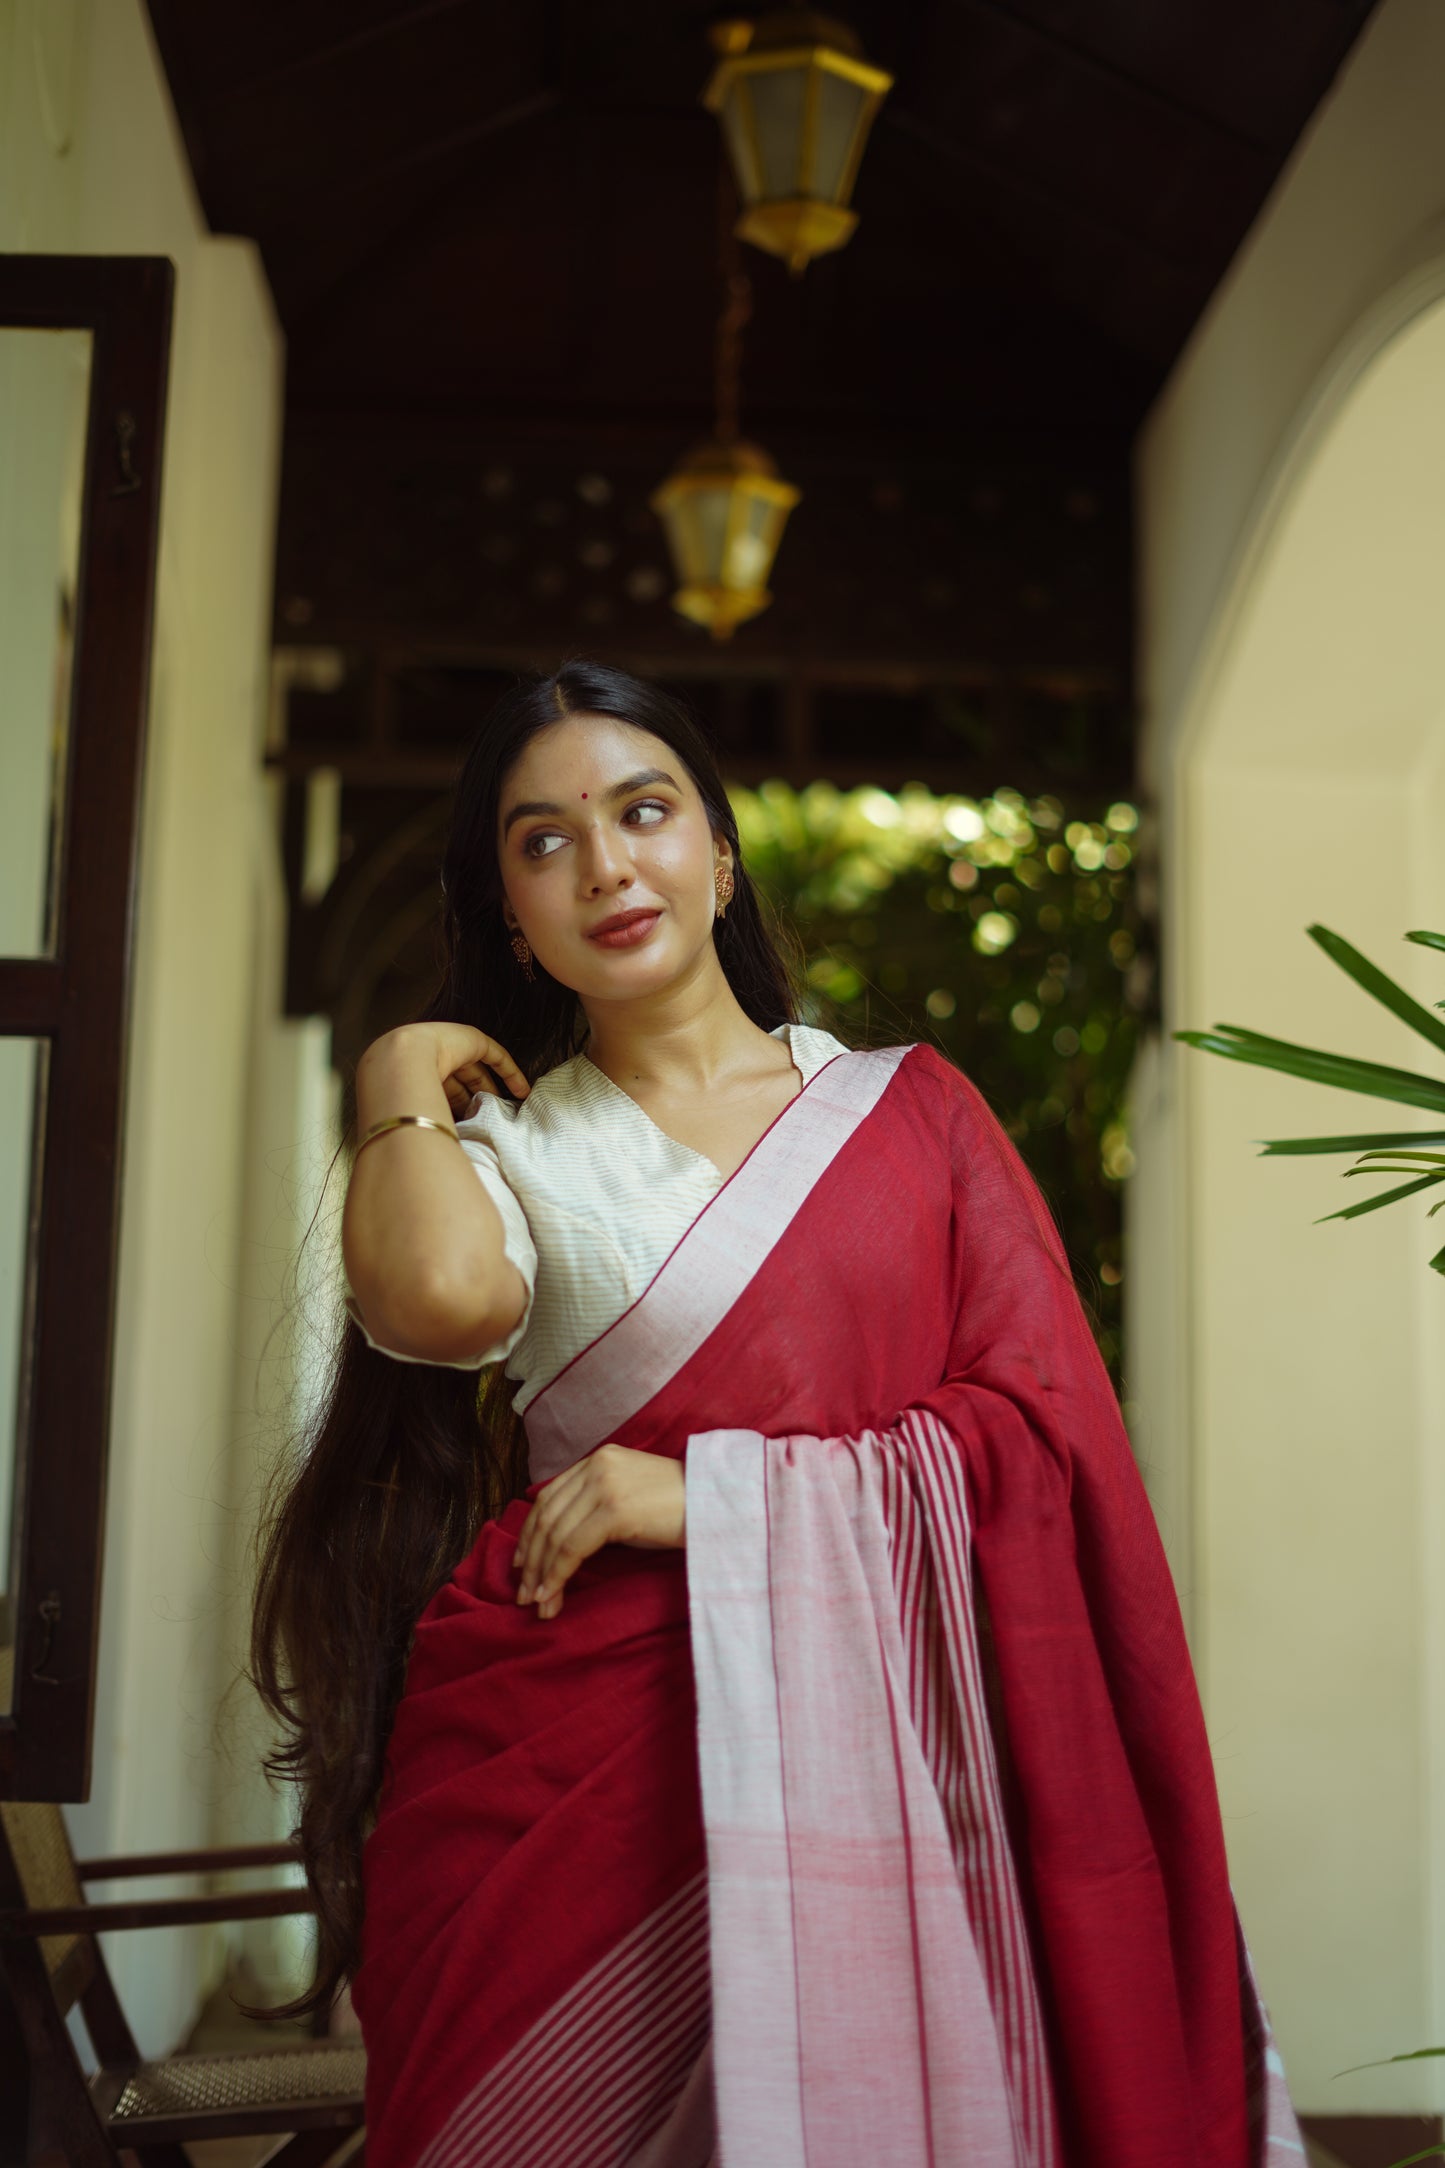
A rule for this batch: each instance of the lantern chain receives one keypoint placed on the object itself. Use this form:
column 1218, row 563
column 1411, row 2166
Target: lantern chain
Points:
column 737, row 308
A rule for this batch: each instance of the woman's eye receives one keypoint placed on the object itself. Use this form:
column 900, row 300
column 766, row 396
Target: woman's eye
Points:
column 651, row 806
column 541, row 845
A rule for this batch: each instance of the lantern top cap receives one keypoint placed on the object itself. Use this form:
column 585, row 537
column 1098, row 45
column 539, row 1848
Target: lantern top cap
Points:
column 794, row 26
column 736, row 457
column 725, row 465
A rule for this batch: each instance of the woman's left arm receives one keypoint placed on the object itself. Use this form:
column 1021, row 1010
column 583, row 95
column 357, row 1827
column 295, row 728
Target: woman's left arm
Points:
column 612, row 1495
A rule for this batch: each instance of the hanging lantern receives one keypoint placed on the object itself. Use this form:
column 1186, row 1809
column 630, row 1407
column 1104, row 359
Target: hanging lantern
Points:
column 724, row 509
column 725, row 506
column 796, row 100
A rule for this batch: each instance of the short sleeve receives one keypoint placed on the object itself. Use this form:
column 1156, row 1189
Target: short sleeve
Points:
column 517, row 1244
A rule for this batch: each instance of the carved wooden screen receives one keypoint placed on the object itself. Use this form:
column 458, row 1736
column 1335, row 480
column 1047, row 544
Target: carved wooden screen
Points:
column 84, row 351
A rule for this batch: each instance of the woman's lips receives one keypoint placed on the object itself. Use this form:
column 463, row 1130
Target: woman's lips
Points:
column 627, row 935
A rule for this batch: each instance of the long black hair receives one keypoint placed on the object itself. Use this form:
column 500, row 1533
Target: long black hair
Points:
column 405, row 1461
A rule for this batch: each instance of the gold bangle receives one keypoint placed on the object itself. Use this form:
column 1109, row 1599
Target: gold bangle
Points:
column 404, row 1121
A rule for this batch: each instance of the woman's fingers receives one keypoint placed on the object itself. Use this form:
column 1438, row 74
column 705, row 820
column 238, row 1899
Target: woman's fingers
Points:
column 576, row 1541
column 533, row 1537
column 480, row 1072
column 574, row 1517
column 497, row 1058
column 474, row 1077
column 612, row 1495
column 582, row 1528
column 538, row 1566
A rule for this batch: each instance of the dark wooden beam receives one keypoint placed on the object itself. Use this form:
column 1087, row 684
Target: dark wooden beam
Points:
column 1080, row 60
column 954, row 149
column 703, row 661
column 225, row 1860
column 261, row 1904
column 360, row 769
column 435, row 149
column 32, row 994
column 368, row 266
column 407, row 18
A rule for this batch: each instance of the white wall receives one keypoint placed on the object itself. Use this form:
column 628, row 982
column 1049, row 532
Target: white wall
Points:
column 91, row 162
column 1291, row 489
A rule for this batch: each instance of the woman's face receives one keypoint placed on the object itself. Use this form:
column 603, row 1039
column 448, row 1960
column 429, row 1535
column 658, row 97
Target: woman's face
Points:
column 600, row 821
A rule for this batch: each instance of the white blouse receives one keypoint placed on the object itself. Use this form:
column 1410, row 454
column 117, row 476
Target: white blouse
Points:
column 593, row 1197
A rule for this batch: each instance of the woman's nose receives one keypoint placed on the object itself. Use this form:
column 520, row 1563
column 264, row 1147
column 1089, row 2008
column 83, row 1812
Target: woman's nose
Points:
column 606, row 862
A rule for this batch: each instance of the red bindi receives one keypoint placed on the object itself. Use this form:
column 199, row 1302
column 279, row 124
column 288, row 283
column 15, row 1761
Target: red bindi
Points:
column 584, row 793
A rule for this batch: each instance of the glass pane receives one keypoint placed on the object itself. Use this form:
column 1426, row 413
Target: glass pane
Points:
column 701, row 528
column 778, row 118
column 737, row 120
column 22, row 1076
column 839, row 106
column 44, row 398
column 750, row 546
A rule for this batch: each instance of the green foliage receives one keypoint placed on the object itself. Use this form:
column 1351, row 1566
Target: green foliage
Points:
column 1003, row 931
column 1397, row 1151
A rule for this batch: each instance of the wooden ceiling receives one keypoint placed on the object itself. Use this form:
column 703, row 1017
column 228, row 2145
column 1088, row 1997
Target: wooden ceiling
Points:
column 492, row 231
column 511, row 205
column 492, row 228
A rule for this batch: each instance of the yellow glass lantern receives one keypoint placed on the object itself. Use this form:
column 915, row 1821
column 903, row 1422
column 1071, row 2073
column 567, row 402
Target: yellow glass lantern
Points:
column 795, row 99
column 724, row 509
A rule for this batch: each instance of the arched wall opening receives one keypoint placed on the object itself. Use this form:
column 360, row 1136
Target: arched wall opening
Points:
column 1289, row 1378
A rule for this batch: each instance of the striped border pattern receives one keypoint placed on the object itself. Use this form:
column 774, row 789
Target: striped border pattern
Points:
column 693, row 1290
column 1275, row 2138
column 899, row 1497
column 601, row 2074
column 925, row 1506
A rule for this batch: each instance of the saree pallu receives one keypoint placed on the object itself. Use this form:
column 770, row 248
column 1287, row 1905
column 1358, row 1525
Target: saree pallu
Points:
column 878, row 1826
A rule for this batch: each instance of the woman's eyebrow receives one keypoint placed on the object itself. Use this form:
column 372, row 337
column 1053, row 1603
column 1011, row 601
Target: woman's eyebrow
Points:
column 630, row 783
column 640, row 781
column 531, row 805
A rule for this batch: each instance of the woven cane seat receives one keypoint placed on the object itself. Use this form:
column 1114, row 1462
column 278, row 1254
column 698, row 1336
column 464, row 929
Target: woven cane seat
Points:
column 40, row 1848
column 331, row 2071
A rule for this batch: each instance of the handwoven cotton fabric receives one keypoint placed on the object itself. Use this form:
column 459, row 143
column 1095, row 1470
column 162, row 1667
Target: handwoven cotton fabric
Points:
column 878, row 1825
column 593, row 1196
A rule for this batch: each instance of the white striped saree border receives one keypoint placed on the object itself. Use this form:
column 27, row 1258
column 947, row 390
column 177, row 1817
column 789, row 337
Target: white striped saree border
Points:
column 693, row 1290
column 925, row 1503
column 873, row 1988
column 1275, row 2137
column 617, row 2071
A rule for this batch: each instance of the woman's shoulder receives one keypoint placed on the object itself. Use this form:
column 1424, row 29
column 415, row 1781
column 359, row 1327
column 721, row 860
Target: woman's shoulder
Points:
column 935, row 1087
column 508, row 1125
column 811, row 1047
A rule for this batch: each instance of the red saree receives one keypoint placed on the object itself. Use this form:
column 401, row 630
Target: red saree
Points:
column 878, row 1826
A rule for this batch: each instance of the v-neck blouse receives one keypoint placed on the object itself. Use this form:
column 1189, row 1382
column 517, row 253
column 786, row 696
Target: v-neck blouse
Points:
column 593, row 1197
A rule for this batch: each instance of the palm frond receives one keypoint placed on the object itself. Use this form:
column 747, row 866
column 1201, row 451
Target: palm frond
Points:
column 1389, row 1196
column 1378, row 984
column 1317, row 1067
column 1280, row 1146
column 1385, row 1152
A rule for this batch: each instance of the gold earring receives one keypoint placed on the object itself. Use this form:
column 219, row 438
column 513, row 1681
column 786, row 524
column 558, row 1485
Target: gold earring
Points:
column 522, row 951
column 723, row 883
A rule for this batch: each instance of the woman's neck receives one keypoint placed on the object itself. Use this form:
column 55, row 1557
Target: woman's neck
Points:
column 685, row 1040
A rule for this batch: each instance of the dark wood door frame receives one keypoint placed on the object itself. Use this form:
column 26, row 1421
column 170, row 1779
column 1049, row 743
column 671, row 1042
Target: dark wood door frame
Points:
column 77, row 1000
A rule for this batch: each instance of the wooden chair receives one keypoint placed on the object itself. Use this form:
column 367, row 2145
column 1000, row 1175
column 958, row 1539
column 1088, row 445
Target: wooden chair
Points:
column 131, row 2109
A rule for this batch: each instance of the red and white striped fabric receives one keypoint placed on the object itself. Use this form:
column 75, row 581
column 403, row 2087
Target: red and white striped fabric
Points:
column 880, row 1825
column 874, row 1996
column 633, row 2034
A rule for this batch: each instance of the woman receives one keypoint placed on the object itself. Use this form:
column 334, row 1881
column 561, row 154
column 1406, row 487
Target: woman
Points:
column 807, row 1768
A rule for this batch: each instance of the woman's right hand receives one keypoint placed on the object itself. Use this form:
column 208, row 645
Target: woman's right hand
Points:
column 467, row 1061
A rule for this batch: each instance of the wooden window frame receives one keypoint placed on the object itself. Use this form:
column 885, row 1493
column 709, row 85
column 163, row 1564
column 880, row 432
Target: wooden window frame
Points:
column 77, row 1000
